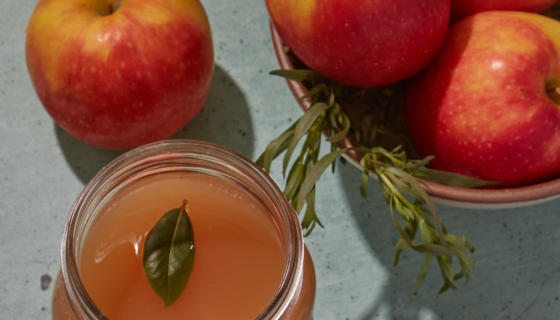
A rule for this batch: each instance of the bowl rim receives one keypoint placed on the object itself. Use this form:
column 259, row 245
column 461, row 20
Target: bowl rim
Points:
column 454, row 196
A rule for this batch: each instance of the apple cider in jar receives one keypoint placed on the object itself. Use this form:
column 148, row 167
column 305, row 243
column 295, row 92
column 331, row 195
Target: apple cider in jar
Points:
column 250, row 261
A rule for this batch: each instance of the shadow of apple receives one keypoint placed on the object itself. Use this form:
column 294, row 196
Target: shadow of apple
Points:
column 224, row 120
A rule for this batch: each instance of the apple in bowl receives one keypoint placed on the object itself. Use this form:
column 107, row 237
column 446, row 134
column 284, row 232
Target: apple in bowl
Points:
column 118, row 74
column 463, row 8
column 363, row 43
column 488, row 105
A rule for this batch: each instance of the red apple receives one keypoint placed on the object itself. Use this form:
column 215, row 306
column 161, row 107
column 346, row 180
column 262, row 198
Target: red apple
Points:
column 119, row 74
column 488, row 105
column 464, row 8
column 362, row 43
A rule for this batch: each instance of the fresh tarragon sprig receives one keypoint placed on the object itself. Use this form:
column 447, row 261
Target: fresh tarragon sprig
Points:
column 394, row 171
column 324, row 114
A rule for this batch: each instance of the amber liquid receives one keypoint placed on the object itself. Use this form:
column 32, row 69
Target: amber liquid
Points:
column 239, row 262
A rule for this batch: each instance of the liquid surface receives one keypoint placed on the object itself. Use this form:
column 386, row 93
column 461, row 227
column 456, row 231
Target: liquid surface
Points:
column 239, row 262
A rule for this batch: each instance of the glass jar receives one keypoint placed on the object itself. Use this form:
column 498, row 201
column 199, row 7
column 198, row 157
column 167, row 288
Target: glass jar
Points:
column 295, row 296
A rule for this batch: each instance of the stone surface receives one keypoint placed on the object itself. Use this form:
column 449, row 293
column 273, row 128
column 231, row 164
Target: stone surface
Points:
column 42, row 170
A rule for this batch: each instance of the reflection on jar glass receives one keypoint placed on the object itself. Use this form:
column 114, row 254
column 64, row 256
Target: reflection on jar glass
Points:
column 250, row 262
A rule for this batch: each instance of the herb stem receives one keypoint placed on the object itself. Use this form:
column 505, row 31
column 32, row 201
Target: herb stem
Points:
column 397, row 174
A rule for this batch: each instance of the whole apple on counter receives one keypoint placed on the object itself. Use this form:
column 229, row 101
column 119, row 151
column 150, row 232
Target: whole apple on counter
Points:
column 488, row 105
column 120, row 73
column 463, row 8
column 362, row 43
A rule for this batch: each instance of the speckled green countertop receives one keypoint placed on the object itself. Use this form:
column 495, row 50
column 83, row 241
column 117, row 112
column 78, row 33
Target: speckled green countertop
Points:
column 42, row 170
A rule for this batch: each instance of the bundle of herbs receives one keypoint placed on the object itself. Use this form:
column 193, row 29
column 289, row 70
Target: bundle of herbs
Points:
column 372, row 119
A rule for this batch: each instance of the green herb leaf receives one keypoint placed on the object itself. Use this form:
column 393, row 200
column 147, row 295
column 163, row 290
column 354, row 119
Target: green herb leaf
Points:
column 453, row 179
column 363, row 185
column 422, row 275
column 302, row 127
column 169, row 254
column 345, row 128
column 296, row 75
column 318, row 88
column 294, row 181
column 310, row 219
column 275, row 148
column 314, row 174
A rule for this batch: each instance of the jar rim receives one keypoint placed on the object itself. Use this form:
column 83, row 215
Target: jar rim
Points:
column 288, row 291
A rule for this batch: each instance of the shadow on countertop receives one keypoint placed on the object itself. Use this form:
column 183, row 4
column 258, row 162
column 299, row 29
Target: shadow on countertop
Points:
column 224, row 119
column 516, row 273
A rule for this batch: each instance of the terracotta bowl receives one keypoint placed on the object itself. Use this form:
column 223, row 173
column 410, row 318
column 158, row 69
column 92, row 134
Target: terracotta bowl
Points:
column 451, row 196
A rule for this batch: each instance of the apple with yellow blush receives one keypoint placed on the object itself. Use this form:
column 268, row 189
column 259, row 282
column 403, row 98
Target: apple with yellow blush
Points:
column 488, row 105
column 120, row 73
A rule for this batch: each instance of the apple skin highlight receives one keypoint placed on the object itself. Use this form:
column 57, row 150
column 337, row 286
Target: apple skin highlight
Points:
column 363, row 43
column 122, row 79
column 482, row 108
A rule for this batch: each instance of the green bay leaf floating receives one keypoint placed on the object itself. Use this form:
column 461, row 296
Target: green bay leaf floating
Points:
column 169, row 254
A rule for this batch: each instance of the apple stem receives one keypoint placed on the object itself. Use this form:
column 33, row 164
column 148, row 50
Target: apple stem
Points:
column 554, row 94
column 553, row 90
column 114, row 5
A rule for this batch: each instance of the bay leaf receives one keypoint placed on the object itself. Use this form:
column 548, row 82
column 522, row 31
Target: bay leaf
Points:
column 169, row 254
